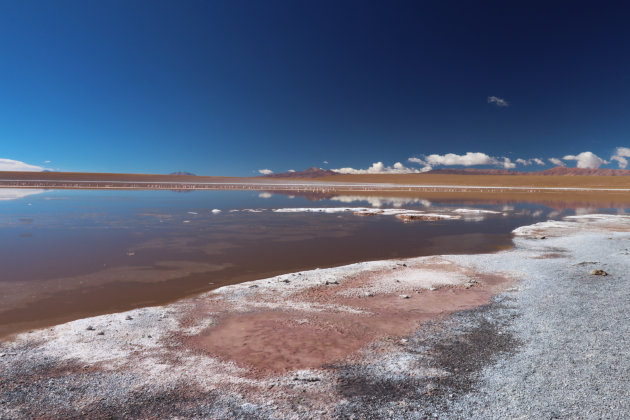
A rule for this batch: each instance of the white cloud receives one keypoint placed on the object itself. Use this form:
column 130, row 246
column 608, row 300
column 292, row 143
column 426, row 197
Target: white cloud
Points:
column 508, row 164
column 16, row 165
column 556, row 161
column 620, row 156
column 586, row 160
column 623, row 151
column 291, row 170
column 325, row 162
column 379, row 168
column 621, row 161
column 527, row 162
column 469, row 159
column 498, row 101
column 265, row 171
column 47, row 161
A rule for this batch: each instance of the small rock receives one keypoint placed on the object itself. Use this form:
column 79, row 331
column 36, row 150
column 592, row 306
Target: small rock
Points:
column 285, row 281
column 404, row 265
column 129, row 318
column 331, row 282
column 2, row 354
column 598, row 272
column 404, row 296
column 253, row 286
column 101, row 333
column 90, row 328
column 403, row 340
column 543, row 237
column 433, row 289
column 369, row 294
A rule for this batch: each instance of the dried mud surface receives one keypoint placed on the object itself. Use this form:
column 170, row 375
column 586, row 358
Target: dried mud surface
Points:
column 443, row 336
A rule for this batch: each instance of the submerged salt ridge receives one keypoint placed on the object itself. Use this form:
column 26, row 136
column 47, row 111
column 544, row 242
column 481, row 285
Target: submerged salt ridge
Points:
column 403, row 214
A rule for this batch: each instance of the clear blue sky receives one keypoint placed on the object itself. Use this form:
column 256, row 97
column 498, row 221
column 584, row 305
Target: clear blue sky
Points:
column 230, row 87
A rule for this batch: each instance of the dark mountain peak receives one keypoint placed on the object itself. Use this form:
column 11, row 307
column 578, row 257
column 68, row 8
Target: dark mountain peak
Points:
column 473, row 171
column 182, row 173
column 563, row 170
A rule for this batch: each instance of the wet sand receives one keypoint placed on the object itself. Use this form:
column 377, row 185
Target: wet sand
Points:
column 401, row 338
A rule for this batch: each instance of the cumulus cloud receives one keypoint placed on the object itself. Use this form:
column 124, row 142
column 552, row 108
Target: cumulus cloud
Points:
column 265, row 171
column 291, row 170
column 556, row 161
column 498, row 101
column 587, row 160
column 527, row 162
column 507, row 163
column 620, row 157
column 621, row 161
column 379, row 168
column 16, row 165
column 469, row 159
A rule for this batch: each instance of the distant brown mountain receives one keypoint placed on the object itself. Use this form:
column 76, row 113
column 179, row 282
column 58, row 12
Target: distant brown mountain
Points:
column 182, row 173
column 313, row 172
column 473, row 171
column 557, row 171
column 562, row 170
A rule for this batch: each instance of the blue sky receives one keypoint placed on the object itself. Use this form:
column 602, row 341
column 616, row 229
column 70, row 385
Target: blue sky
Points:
column 232, row 87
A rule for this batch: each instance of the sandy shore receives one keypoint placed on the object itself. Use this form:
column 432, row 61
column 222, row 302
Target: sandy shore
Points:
column 444, row 336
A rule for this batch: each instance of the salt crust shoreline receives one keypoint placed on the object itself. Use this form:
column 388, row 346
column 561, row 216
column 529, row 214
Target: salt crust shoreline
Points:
column 137, row 352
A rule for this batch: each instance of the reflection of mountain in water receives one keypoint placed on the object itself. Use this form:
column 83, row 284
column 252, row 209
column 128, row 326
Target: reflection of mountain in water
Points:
column 16, row 193
column 183, row 190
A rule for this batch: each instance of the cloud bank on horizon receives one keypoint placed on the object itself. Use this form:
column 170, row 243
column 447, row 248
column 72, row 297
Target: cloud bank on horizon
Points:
column 586, row 160
column 18, row 166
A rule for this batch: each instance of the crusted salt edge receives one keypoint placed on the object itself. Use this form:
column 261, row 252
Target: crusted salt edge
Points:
column 476, row 211
column 365, row 211
column 406, row 278
column 615, row 217
column 573, row 223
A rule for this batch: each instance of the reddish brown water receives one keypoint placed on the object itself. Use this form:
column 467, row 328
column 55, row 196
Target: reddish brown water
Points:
column 68, row 255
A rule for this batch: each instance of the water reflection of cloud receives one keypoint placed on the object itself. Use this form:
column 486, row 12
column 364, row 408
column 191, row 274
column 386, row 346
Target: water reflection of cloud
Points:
column 382, row 201
column 7, row 194
column 265, row 195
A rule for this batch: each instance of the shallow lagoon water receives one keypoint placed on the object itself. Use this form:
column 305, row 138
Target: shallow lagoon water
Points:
column 70, row 254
